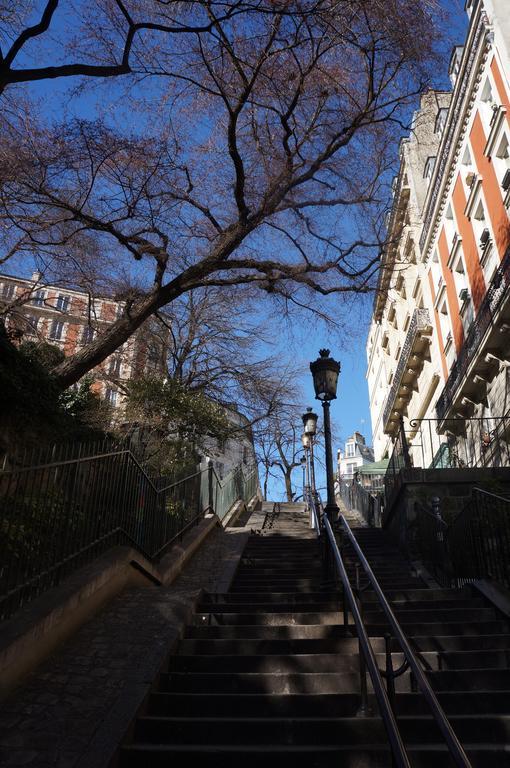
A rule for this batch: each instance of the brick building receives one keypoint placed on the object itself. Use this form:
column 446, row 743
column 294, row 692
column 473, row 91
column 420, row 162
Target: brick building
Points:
column 70, row 319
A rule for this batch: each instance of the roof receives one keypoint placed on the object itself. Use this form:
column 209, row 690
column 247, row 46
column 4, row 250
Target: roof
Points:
column 375, row 468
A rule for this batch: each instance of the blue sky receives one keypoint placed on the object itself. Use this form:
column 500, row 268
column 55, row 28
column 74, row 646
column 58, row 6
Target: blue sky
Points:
column 350, row 411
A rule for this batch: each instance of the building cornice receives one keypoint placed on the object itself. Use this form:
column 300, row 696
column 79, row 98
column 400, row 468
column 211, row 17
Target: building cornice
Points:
column 476, row 50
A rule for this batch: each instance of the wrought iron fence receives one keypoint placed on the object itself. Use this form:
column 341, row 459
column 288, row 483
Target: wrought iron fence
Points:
column 368, row 502
column 459, row 443
column 496, row 295
column 77, row 501
column 450, row 444
column 420, row 321
column 399, row 460
column 475, row 544
column 431, row 542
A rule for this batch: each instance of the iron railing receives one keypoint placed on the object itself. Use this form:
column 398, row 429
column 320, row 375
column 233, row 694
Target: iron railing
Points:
column 368, row 661
column 80, row 500
column 496, row 295
column 449, row 444
column 412, row 661
column 475, row 544
column 367, row 502
column 399, row 460
column 420, row 321
column 430, row 544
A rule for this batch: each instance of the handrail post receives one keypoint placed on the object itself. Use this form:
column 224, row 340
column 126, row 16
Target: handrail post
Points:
column 442, row 538
column 405, row 447
column 364, row 710
column 390, row 679
column 210, row 500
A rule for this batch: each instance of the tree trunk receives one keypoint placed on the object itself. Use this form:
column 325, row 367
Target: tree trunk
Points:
column 288, row 485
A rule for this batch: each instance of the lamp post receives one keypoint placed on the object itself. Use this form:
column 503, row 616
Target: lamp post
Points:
column 310, row 427
column 304, row 467
column 325, row 372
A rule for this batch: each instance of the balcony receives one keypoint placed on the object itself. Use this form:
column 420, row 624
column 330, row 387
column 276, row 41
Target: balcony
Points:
column 408, row 369
column 486, row 344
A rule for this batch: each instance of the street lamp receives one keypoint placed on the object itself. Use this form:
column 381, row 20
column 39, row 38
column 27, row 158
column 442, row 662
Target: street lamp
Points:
column 304, row 467
column 310, row 427
column 325, row 372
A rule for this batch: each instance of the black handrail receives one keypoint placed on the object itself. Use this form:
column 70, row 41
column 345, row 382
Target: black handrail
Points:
column 397, row 745
column 454, row 746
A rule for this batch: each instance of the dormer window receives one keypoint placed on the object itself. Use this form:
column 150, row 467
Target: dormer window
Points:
column 429, row 167
column 440, row 120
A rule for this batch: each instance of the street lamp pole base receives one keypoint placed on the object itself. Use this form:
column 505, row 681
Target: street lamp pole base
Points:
column 332, row 512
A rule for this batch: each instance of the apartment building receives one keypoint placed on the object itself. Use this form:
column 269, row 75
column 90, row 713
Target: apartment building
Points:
column 356, row 454
column 439, row 342
column 71, row 319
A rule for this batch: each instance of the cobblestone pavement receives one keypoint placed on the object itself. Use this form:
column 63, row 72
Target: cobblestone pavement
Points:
column 72, row 712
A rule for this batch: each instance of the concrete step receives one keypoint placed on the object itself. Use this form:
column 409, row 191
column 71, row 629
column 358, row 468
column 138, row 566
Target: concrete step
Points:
column 326, row 730
column 275, row 597
column 425, row 594
column 470, row 680
column 335, row 662
column 318, row 705
column 282, row 618
column 410, row 615
column 304, row 756
column 267, row 606
column 260, row 682
column 258, row 647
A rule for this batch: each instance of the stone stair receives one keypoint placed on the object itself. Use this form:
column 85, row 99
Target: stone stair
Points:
column 267, row 672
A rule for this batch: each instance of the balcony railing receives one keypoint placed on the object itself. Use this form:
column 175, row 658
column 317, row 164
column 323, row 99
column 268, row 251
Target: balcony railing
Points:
column 419, row 322
column 496, row 295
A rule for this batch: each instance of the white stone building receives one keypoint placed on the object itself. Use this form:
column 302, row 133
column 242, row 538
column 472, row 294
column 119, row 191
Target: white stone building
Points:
column 439, row 343
column 355, row 455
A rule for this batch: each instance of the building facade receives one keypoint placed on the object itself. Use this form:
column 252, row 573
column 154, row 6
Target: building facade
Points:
column 439, row 342
column 355, row 455
column 71, row 319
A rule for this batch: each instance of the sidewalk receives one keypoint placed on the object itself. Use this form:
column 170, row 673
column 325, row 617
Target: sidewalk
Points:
column 74, row 710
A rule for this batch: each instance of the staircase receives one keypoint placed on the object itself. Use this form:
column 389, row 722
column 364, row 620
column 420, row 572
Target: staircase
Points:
column 267, row 673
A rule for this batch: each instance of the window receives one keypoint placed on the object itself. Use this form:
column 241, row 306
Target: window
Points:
column 349, row 449
column 115, row 366
column 62, row 303
column 110, row 396
column 56, row 331
column 488, row 106
column 429, row 167
column 8, row 291
column 502, row 166
column 88, row 335
column 440, row 120
column 462, row 287
column 39, row 298
column 153, row 354
column 455, row 61
column 450, row 227
column 31, row 323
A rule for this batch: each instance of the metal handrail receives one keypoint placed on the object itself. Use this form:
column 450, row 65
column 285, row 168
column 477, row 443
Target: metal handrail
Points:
column 454, row 746
column 397, row 745
column 313, row 502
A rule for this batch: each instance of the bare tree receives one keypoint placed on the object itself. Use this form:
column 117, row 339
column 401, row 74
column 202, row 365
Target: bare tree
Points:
column 278, row 447
column 214, row 347
column 278, row 128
